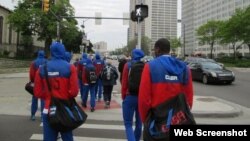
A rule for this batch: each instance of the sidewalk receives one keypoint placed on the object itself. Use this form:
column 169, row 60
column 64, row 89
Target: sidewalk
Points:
column 205, row 108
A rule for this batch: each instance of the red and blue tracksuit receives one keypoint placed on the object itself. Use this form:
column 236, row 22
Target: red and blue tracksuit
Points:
column 62, row 78
column 33, row 68
column 162, row 79
column 80, row 68
column 130, row 102
column 88, row 87
column 99, row 65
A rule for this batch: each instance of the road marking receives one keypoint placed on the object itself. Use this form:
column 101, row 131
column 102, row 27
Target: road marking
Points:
column 101, row 126
column 39, row 137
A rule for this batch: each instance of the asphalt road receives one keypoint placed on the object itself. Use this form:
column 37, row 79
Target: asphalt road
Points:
column 238, row 92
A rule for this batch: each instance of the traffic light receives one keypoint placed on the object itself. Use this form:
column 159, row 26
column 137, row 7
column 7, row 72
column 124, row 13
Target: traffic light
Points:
column 141, row 11
column 46, row 4
column 134, row 18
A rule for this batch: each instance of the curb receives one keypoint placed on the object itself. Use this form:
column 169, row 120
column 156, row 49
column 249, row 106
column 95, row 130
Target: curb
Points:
column 14, row 75
column 235, row 112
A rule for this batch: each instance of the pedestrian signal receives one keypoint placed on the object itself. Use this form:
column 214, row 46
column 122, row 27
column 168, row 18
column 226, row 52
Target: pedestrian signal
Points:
column 141, row 11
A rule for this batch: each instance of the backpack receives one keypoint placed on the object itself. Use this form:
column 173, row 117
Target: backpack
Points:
column 99, row 64
column 91, row 75
column 135, row 77
column 107, row 73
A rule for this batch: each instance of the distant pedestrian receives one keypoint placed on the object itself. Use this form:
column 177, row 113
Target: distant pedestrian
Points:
column 68, row 56
column 130, row 99
column 121, row 64
column 109, row 76
column 89, row 79
column 62, row 78
column 162, row 79
column 40, row 60
column 80, row 70
column 99, row 64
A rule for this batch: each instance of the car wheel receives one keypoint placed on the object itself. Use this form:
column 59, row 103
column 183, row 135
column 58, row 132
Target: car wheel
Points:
column 229, row 82
column 204, row 79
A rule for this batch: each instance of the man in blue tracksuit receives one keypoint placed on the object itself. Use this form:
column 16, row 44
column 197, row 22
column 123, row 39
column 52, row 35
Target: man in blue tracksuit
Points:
column 80, row 68
column 62, row 78
column 99, row 65
column 130, row 101
column 88, row 86
column 40, row 60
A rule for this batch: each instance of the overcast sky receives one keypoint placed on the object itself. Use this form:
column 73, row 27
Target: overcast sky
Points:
column 111, row 31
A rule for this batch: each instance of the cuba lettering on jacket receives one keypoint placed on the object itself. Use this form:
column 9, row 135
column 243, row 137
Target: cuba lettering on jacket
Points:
column 162, row 79
column 62, row 78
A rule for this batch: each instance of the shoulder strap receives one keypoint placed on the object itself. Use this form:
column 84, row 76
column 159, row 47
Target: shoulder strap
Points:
column 46, row 76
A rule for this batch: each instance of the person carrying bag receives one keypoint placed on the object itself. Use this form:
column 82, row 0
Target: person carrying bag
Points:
column 62, row 87
column 165, row 94
column 64, row 115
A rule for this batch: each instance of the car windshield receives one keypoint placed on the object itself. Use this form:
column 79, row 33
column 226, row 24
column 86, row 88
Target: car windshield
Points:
column 210, row 65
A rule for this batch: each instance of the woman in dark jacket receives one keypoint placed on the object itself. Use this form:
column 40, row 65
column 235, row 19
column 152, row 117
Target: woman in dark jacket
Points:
column 109, row 76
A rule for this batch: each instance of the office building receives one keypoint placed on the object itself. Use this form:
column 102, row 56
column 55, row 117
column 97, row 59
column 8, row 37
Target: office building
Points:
column 197, row 12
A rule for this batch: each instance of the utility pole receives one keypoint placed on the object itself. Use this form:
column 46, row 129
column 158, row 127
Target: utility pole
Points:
column 139, row 30
column 139, row 35
column 58, row 31
column 184, row 50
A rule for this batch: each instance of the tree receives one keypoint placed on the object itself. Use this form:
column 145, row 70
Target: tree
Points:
column 231, row 30
column 208, row 34
column 29, row 19
column 145, row 45
column 175, row 43
column 245, row 27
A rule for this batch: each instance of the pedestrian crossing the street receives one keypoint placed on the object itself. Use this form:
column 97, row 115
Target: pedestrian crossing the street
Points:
column 101, row 125
column 94, row 130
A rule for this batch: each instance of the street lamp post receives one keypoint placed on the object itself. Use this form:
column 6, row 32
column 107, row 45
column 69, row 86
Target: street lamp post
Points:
column 184, row 46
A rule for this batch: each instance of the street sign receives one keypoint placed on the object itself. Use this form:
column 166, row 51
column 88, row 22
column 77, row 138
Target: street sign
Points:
column 98, row 20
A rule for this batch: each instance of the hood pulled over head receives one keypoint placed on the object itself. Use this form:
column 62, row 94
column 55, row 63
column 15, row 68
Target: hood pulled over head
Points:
column 137, row 54
column 57, row 50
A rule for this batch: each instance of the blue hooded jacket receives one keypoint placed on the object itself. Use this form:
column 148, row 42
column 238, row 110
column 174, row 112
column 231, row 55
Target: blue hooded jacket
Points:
column 84, row 59
column 137, row 54
column 40, row 59
column 57, row 50
column 97, row 56
column 171, row 67
column 68, row 56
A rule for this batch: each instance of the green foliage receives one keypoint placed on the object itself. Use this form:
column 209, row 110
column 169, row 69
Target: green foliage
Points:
column 145, row 45
column 29, row 19
column 174, row 44
column 231, row 62
column 209, row 34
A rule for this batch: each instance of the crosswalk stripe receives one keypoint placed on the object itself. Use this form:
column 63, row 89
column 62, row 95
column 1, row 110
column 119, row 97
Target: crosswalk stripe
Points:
column 100, row 126
column 39, row 137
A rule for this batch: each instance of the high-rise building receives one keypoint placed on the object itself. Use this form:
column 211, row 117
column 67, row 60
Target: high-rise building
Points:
column 197, row 12
column 161, row 21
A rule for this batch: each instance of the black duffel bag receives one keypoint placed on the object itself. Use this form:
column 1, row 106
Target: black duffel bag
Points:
column 172, row 112
column 65, row 115
column 29, row 87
